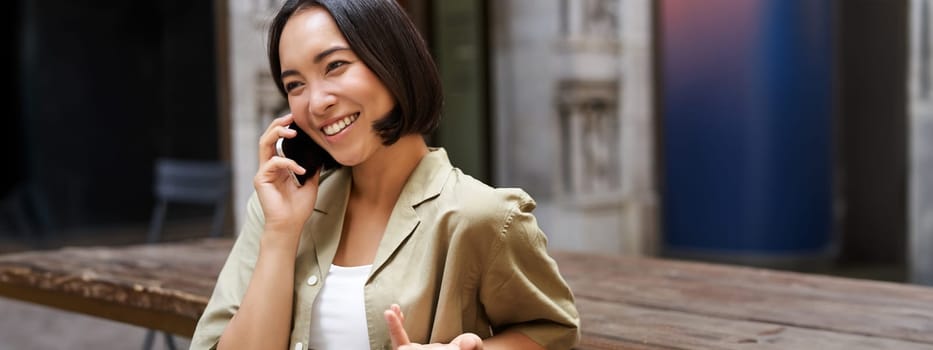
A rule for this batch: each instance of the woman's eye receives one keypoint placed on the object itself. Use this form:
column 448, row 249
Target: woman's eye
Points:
column 334, row 65
column 289, row 86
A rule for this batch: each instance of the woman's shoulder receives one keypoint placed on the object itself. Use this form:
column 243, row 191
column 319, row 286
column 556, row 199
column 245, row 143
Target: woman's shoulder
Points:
column 476, row 201
column 482, row 217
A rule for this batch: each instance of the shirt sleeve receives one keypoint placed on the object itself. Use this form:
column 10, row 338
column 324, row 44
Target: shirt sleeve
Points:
column 232, row 282
column 522, row 289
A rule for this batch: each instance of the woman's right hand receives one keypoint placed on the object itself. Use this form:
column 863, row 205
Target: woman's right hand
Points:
column 285, row 205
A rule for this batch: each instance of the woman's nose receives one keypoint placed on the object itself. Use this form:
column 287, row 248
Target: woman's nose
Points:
column 321, row 101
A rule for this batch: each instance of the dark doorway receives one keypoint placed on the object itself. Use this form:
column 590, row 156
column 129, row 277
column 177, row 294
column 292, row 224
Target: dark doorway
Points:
column 104, row 88
column 873, row 130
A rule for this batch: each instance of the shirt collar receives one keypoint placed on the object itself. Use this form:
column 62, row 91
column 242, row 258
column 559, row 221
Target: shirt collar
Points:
column 424, row 183
column 428, row 178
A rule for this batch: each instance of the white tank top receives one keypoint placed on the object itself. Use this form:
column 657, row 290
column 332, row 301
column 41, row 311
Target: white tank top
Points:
column 338, row 317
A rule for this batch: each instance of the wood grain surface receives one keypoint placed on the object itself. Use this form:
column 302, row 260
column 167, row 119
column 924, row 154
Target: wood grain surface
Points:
column 624, row 302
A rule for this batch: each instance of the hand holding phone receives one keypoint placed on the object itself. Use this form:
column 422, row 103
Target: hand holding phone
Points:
column 304, row 151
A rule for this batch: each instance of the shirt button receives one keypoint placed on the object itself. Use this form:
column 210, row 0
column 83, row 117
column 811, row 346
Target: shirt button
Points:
column 311, row 281
column 298, row 346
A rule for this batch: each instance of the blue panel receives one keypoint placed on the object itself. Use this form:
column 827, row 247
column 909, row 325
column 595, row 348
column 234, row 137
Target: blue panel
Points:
column 747, row 127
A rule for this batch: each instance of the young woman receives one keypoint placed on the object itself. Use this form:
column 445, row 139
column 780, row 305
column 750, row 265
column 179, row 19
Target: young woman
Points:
column 396, row 247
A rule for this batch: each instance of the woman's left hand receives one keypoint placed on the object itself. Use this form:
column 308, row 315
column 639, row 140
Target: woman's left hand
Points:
column 394, row 318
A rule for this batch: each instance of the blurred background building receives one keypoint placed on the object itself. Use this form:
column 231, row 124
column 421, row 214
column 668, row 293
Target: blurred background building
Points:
column 785, row 133
column 773, row 132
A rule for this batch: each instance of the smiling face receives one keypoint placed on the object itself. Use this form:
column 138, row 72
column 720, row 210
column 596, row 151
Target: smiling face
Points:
column 333, row 95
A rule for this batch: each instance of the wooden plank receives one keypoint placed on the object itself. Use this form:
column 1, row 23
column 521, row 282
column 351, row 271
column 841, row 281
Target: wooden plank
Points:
column 608, row 325
column 162, row 286
column 871, row 308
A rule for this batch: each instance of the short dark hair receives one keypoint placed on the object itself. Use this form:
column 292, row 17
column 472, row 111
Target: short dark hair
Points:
column 386, row 40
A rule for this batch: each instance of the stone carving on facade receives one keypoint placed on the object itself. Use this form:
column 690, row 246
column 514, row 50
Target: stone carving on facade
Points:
column 590, row 25
column 589, row 122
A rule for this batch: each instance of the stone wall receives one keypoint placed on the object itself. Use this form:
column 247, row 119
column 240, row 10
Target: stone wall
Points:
column 920, row 80
column 253, row 96
column 573, row 118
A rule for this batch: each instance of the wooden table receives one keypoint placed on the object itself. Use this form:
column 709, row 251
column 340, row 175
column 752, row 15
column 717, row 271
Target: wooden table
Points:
column 624, row 302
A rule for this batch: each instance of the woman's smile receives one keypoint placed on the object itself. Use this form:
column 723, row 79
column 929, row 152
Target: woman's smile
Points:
column 339, row 125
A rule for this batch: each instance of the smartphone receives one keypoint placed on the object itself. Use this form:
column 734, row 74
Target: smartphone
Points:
column 304, row 151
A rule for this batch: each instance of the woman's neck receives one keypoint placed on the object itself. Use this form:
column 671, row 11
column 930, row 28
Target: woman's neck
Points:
column 379, row 180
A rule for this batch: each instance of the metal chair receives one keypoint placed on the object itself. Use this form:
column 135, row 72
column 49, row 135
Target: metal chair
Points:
column 187, row 181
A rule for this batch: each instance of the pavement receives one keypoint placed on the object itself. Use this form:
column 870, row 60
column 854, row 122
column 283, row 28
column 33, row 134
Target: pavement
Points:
column 26, row 326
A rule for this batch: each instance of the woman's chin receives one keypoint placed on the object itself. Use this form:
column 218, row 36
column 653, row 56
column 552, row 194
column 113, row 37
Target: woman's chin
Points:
column 347, row 161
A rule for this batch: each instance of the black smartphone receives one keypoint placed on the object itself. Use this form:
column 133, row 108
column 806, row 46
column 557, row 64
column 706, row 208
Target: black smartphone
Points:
column 304, row 151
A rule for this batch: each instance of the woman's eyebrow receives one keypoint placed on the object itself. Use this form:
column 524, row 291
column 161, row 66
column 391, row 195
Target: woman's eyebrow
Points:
column 317, row 59
column 325, row 53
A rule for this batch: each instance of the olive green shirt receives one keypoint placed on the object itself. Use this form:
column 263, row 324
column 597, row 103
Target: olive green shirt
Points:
column 457, row 256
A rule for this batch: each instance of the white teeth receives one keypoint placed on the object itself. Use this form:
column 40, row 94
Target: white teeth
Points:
column 339, row 125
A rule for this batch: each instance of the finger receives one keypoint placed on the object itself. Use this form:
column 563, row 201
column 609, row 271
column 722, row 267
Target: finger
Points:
column 268, row 141
column 283, row 120
column 468, row 341
column 276, row 129
column 279, row 122
column 311, row 185
column 287, row 164
column 433, row 346
column 276, row 169
column 398, row 311
column 396, row 329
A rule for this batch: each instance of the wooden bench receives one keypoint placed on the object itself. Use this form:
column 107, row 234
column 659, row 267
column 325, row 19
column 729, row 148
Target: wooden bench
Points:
column 624, row 302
